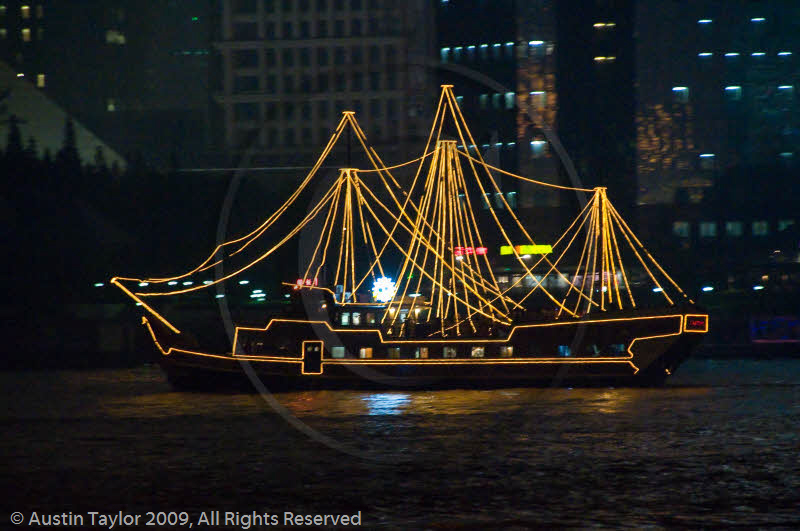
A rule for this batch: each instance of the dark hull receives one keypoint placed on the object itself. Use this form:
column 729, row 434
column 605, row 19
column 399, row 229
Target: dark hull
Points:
column 288, row 354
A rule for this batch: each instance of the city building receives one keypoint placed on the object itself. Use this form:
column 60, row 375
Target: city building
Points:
column 136, row 75
column 720, row 97
column 287, row 69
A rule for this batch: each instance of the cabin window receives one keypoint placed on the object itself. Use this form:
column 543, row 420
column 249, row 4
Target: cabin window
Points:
column 506, row 351
column 564, row 351
column 449, row 352
column 371, row 318
column 394, row 353
column 337, row 352
column 345, row 318
column 617, row 349
column 365, row 352
column 356, row 318
column 421, row 353
column 477, row 351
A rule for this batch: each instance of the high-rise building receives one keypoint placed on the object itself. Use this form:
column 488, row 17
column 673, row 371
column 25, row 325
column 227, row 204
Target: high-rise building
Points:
column 289, row 68
column 135, row 74
column 595, row 84
column 716, row 89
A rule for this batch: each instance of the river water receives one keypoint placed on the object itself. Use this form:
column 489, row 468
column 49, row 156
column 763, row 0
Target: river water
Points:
column 717, row 447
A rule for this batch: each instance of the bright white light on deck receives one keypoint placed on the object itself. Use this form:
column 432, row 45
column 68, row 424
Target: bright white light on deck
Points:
column 708, row 288
column 219, row 296
column 98, row 284
column 286, row 295
column 758, row 287
column 415, row 295
column 207, row 282
column 704, row 21
column 172, row 283
column 243, row 282
column 757, row 19
column 657, row 290
column 188, row 283
column 383, row 289
column 143, row 284
column 258, row 291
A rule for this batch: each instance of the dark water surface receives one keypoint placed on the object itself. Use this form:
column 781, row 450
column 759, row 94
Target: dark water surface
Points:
column 717, row 447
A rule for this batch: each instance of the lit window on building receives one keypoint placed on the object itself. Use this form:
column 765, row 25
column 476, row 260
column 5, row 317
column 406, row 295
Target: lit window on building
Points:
column 538, row 99
column 449, row 352
column 457, row 53
column 733, row 92
column 421, row 353
column 604, row 25
column 758, row 19
column 496, row 50
column 111, row 105
column 486, row 201
column 760, row 228
column 784, row 54
column 511, row 199
column 705, row 54
column 680, row 94
column 471, row 52
column 605, row 59
column 705, row 21
column 708, row 229
column 477, row 351
column 484, row 51
column 506, row 351
column 786, row 90
column 538, row 148
column 337, row 352
column 758, row 54
column 498, row 200
column 787, row 155
column 3, row 33
column 483, row 100
column 40, row 81
column 784, row 224
column 732, row 55
column 26, row 35
column 680, row 229
column 115, row 37
column 510, row 97
column 734, row 228
column 707, row 161
column 365, row 352
column 25, row 11
column 460, row 101
column 394, row 353
column 2, row 10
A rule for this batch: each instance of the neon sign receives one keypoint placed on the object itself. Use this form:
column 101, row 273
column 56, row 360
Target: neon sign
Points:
column 526, row 249
column 307, row 282
column 461, row 251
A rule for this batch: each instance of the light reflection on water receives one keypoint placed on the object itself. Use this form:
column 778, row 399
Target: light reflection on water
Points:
column 717, row 446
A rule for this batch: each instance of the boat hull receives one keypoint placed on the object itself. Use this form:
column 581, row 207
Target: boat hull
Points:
column 288, row 354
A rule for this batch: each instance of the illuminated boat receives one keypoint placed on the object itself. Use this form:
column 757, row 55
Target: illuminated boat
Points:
column 570, row 317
